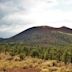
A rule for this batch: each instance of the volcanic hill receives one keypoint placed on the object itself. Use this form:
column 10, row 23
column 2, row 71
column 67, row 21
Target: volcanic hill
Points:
column 43, row 35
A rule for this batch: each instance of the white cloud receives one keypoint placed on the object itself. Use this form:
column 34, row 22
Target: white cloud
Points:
column 40, row 13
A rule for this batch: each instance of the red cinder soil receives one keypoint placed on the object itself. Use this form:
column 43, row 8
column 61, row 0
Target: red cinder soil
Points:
column 23, row 70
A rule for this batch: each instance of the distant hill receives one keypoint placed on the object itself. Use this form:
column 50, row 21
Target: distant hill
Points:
column 1, row 39
column 43, row 35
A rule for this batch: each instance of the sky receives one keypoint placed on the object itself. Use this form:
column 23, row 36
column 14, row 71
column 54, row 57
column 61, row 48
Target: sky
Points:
column 19, row 15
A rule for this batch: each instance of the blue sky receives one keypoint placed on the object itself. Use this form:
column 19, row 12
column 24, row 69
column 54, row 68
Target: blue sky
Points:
column 18, row 15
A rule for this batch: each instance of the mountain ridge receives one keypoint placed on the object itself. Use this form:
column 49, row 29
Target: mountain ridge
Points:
column 48, row 27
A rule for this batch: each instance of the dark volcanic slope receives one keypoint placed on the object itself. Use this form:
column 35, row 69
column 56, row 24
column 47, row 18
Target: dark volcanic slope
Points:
column 44, row 35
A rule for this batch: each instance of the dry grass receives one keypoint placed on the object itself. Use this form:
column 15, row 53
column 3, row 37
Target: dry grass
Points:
column 28, row 62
